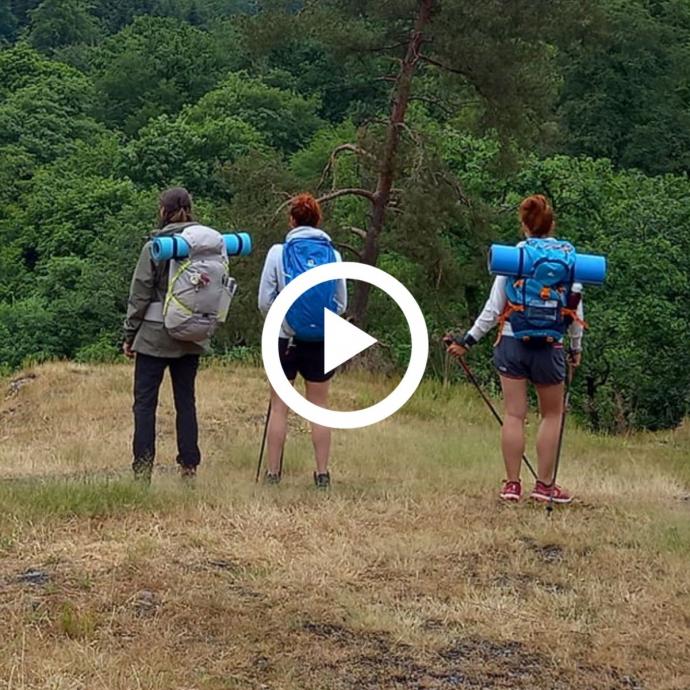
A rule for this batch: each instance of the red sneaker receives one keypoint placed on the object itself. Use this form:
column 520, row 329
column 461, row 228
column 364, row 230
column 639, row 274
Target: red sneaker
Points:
column 512, row 491
column 543, row 494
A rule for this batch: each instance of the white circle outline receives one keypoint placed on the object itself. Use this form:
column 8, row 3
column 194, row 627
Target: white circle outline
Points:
column 418, row 359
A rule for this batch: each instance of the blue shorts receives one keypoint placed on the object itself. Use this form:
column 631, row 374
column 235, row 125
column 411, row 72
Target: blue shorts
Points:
column 541, row 363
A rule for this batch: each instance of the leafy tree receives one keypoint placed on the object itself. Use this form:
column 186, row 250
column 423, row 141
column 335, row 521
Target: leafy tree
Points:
column 625, row 94
column 21, row 8
column 8, row 22
column 287, row 120
column 45, row 105
column 192, row 153
column 154, row 66
column 57, row 23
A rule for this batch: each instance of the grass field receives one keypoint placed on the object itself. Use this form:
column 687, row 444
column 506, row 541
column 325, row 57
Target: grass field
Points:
column 408, row 575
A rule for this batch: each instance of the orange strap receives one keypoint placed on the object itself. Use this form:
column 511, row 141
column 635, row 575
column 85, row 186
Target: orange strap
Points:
column 510, row 308
column 572, row 314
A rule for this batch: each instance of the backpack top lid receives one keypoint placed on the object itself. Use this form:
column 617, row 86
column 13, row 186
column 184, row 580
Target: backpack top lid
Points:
column 204, row 241
column 549, row 261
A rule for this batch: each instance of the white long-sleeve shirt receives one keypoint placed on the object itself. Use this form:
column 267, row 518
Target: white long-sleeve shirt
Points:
column 273, row 277
column 496, row 305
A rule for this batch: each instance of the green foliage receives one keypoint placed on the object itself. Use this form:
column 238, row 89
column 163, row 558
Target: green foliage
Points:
column 154, row 66
column 45, row 106
column 625, row 94
column 57, row 23
column 287, row 120
column 8, row 22
column 245, row 103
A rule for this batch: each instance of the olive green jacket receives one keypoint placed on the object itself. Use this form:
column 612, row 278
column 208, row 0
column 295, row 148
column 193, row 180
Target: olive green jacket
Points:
column 150, row 284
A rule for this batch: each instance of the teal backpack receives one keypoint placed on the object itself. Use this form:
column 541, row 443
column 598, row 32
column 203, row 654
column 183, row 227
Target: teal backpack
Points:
column 538, row 302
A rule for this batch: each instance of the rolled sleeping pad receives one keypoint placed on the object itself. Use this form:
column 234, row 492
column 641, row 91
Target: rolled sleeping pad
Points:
column 515, row 263
column 175, row 247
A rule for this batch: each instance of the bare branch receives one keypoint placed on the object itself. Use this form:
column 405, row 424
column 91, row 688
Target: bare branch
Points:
column 353, row 191
column 351, row 148
column 449, row 108
column 382, row 49
column 348, row 248
column 359, row 232
column 455, row 185
column 336, row 194
column 441, row 65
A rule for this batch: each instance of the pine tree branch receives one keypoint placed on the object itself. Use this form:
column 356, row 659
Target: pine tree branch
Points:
column 336, row 194
column 344, row 148
column 353, row 191
column 358, row 231
column 348, row 248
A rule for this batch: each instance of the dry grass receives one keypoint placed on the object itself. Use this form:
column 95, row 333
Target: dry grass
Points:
column 408, row 575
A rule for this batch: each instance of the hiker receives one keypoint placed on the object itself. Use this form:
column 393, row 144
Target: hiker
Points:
column 538, row 360
column 173, row 337
column 302, row 339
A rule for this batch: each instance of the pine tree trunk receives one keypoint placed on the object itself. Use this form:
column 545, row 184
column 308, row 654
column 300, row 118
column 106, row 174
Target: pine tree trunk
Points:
column 387, row 172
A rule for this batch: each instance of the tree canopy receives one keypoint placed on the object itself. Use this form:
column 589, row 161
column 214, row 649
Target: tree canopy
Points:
column 420, row 124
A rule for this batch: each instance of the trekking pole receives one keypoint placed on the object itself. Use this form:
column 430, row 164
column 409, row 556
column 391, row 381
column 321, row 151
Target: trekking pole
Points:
column 263, row 448
column 490, row 405
column 263, row 443
column 561, row 436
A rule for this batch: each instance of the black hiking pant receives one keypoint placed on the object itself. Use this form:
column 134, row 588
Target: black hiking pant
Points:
column 148, row 376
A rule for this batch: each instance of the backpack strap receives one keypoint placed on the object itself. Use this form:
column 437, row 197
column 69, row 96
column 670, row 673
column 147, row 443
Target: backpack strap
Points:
column 572, row 314
column 504, row 317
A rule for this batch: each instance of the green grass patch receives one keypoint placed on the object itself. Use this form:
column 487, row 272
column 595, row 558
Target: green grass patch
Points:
column 83, row 498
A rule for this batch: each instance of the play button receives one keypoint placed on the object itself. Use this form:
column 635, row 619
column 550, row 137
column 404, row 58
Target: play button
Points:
column 343, row 341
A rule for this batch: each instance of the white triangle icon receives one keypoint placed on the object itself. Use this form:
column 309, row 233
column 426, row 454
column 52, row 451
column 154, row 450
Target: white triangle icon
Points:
column 343, row 341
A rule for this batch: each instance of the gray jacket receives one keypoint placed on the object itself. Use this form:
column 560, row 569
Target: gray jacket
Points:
column 150, row 284
column 273, row 276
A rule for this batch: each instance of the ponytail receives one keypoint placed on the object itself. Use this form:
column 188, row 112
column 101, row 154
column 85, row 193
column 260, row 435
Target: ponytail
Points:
column 176, row 206
column 537, row 215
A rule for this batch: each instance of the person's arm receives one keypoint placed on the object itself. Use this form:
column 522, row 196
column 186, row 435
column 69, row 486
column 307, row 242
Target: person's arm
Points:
column 269, row 288
column 488, row 319
column 341, row 292
column 576, row 334
column 493, row 309
column 141, row 294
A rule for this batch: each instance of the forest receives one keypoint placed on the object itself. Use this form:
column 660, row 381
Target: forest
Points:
column 420, row 123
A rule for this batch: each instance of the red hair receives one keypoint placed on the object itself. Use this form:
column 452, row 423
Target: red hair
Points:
column 536, row 214
column 306, row 211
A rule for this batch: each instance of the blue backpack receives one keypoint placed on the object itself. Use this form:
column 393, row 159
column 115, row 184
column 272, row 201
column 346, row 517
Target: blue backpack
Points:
column 538, row 302
column 305, row 317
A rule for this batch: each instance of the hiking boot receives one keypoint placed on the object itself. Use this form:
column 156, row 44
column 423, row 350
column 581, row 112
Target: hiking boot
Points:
column 272, row 479
column 544, row 493
column 188, row 474
column 322, row 481
column 511, row 492
column 143, row 470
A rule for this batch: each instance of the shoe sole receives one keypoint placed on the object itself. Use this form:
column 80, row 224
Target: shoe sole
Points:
column 547, row 499
column 510, row 498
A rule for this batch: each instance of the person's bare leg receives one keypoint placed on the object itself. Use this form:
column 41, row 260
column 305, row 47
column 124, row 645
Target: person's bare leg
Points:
column 317, row 393
column 277, row 432
column 513, row 432
column 551, row 408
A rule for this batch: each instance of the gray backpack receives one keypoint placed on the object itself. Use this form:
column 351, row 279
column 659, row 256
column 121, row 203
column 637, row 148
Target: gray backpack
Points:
column 200, row 289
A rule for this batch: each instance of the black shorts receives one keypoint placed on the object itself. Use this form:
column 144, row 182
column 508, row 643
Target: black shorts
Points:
column 304, row 358
column 541, row 363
